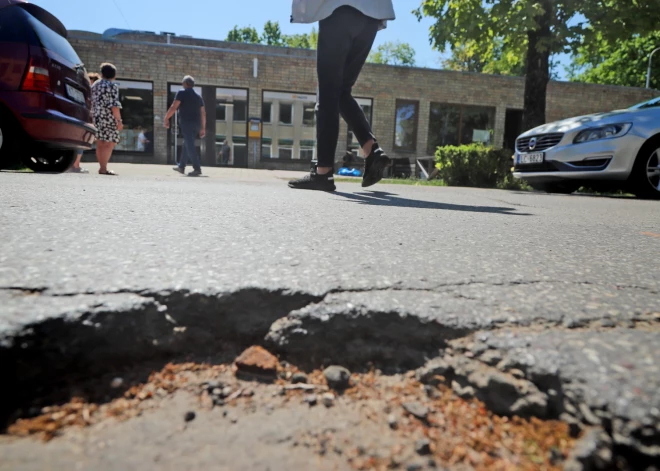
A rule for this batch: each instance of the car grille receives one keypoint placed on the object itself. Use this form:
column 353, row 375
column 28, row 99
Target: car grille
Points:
column 543, row 142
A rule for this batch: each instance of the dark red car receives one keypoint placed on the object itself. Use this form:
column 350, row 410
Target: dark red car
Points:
column 44, row 91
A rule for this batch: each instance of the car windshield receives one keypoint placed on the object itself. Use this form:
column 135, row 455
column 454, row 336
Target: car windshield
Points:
column 647, row 104
column 52, row 41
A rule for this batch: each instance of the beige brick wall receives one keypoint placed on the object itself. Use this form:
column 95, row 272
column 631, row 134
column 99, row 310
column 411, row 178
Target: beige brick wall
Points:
column 231, row 65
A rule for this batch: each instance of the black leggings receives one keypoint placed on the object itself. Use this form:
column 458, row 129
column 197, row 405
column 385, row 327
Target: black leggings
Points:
column 345, row 40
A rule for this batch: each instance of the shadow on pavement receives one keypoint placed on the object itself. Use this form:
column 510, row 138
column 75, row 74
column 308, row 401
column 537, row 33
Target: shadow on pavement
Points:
column 383, row 198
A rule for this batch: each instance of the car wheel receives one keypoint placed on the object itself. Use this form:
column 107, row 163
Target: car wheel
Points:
column 50, row 161
column 8, row 149
column 645, row 177
column 564, row 188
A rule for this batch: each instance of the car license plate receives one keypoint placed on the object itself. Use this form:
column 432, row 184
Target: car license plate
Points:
column 75, row 94
column 533, row 158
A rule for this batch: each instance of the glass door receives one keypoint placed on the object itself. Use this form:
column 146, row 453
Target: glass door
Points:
column 174, row 136
column 231, row 116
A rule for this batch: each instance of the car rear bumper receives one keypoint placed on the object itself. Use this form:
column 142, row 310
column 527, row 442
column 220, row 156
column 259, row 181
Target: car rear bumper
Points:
column 607, row 159
column 54, row 129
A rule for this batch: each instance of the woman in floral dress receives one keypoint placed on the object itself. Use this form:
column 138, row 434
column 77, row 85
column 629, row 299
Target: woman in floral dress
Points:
column 107, row 117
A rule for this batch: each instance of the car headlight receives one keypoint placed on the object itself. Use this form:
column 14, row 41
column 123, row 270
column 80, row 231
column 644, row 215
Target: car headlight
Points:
column 603, row 132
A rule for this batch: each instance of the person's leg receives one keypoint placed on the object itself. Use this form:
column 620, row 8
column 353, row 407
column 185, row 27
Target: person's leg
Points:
column 349, row 108
column 335, row 42
column 190, row 133
column 103, row 154
column 79, row 155
column 183, row 158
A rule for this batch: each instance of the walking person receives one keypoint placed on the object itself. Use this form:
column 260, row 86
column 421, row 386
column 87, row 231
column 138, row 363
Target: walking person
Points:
column 225, row 152
column 76, row 168
column 347, row 30
column 107, row 116
column 193, row 123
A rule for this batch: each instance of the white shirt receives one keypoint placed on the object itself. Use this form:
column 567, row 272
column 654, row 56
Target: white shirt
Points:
column 141, row 142
column 311, row 11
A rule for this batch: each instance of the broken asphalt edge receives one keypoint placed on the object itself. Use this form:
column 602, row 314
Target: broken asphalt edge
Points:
column 303, row 329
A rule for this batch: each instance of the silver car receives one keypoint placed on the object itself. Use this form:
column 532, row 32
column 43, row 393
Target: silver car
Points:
column 618, row 150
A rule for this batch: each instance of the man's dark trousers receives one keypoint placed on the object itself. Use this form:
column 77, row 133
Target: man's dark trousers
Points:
column 345, row 40
column 190, row 133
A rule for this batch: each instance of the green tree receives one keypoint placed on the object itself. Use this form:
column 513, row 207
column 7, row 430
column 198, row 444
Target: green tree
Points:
column 469, row 57
column 535, row 30
column 393, row 53
column 243, row 35
column 272, row 35
column 302, row 41
column 622, row 63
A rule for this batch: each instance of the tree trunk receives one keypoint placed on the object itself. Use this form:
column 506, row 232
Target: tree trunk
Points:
column 538, row 70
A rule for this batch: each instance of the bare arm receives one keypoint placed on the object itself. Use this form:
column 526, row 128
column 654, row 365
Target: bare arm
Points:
column 117, row 114
column 116, row 107
column 202, row 132
column 171, row 111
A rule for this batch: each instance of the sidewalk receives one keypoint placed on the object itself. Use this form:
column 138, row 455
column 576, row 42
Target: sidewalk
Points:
column 225, row 173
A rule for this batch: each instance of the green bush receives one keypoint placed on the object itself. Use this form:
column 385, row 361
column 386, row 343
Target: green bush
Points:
column 476, row 165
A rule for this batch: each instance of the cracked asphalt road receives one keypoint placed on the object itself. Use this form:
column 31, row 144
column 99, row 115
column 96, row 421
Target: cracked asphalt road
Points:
column 453, row 261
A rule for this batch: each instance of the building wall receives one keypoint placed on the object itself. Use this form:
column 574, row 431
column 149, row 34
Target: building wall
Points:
column 222, row 64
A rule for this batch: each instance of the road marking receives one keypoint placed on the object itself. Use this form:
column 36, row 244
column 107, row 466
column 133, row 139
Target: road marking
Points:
column 651, row 234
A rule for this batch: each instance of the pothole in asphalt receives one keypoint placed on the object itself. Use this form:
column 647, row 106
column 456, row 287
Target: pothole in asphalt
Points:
column 109, row 365
column 411, row 425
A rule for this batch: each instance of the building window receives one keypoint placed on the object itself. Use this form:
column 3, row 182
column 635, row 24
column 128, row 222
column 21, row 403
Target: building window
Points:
column 289, row 127
column 286, row 113
column 231, row 126
column 285, row 147
column 307, row 150
column 453, row 125
column 266, row 110
column 405, row 131
column 137, row 101
column 220, row 112
column 309, row 115
column 240, row 111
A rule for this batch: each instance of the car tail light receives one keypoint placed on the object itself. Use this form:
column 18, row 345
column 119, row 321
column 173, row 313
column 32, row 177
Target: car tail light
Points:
column 37, row 78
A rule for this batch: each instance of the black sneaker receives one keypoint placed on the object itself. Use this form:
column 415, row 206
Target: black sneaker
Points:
column 178, row 169
column 374, row 166
column 195, row 173
column 314, row 181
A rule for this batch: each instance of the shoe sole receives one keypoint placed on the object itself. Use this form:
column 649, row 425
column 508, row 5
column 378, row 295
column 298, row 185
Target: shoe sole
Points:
column 377, row 169
column 329, row 190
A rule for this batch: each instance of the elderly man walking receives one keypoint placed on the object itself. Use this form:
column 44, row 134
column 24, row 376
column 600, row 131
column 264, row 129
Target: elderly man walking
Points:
column 193, row 123
column 347, row 30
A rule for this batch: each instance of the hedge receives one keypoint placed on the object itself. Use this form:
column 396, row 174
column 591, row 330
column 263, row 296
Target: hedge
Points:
column 476, row 165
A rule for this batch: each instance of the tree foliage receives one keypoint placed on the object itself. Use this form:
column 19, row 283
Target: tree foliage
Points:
column 622, row 63
column 469, row 57
column 272, row 36
column 393, row 53
column 535, row 30
column 247, row 34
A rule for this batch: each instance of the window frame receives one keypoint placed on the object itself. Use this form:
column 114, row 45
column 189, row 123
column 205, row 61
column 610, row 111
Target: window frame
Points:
column 153, row 118
column 461, row 108
column 416, row 128
column 293, row 113
column 270, row 112
column 272, row 95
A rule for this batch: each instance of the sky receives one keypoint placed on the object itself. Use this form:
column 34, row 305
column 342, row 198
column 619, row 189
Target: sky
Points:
column 212, row 19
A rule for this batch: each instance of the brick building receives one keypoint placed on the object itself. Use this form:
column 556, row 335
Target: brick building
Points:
column 412, row 110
